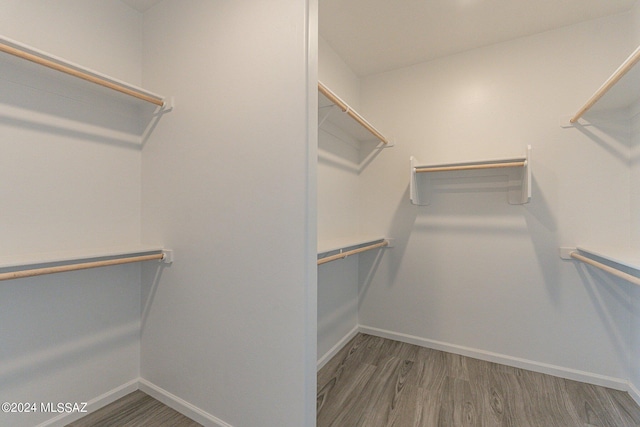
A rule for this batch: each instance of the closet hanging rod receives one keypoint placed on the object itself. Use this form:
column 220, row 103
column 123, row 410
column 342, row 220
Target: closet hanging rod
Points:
column 614, row 271
column 352, row 252
column 423, row 169
column 611, row 81
column 79, row 266
column 354, row 115
column 84, row 75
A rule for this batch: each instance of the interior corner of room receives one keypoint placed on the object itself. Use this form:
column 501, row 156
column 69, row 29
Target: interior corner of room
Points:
column 510, row 191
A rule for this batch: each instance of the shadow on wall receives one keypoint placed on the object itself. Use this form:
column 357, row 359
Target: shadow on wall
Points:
column 611, row 298
column 459, row 206
column 542, row 227
column 367, row 268
column 151, row 275
column 349, row 156
column 605, row 126
column 402, row 224
column 635, row 139
column 55, row 323
column 52, row 103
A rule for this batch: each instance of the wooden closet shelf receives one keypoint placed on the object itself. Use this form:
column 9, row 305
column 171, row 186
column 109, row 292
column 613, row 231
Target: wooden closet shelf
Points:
column 623, row 257
column 30, row 265
column 517, row 163
column 39, row 57
column 629, row 88
column 357, row 247
column 517, row 169
column 351, row 122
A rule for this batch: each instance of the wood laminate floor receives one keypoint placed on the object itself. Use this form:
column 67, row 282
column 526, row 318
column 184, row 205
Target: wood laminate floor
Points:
column 376, row 382
column 136, row 409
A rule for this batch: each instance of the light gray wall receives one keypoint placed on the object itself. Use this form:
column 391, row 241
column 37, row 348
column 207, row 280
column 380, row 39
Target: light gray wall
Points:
column 229, row 330
column 341, row 160
column 471, row 273
column 227, row 185
column 635, row 214
column 635, row 222
column 336, row 74
column 69, row 181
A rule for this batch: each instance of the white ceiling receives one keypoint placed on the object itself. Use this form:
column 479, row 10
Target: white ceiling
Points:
column 373, row 36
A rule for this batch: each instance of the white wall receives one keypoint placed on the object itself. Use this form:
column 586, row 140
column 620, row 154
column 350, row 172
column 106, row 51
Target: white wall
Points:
column 635, row 212
column 635, row 12
column 69, row 180
column 635, row 223
column 338, row 218
column 336, row 74
column 471, row 273
column 338, row 215
column 227, row 184
column 102, row 35
column 341, row 159
column 337, row 305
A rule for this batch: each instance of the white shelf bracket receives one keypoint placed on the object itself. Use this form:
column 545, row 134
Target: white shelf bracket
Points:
column 565, row 122
column 520, row 183
column 390, row 143
column 167, row 105
column 167, row 256
column 565, row 253
column 413, row 185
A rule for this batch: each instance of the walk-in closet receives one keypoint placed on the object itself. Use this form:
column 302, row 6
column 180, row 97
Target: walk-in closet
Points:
column 172, row 134
column 508, row 197
column 319, row 212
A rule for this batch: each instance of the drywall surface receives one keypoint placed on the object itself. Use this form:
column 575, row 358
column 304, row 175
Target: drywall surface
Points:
column 69, row 180
column 634, row 118
column 338, row 219
column 635, row 242
column 337, row 302
column 101, row 35
column 471, row 273
column 336, row 74
column 225, row 184
column 338, row 171
column 635, row 11
column 634, row 114
column 340, row 162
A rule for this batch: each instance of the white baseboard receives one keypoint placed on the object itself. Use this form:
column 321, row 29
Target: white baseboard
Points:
column 180, row 405
column 92, row 405
column 209, row 420
column 336, row 348
column 152, row 390
column 544, row 368
column 634, row 393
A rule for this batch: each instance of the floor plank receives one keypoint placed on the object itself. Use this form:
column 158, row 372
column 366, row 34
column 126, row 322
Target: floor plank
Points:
column 374, row 382
column 136, row 409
